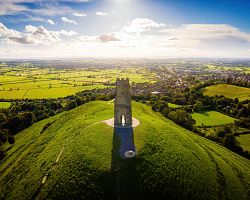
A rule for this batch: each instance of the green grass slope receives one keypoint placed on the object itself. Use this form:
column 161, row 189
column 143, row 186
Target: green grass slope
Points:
column 229, row 91
column 212, row 118
column 171, row 161
column 244, row 141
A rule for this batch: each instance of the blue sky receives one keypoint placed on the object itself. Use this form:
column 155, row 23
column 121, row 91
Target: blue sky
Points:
column 124, row 28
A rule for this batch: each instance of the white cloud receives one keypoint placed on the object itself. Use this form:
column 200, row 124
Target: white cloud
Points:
column 152, row 39
column 67, row 33
column 86, row 39
column 196, row 35
column 40, row 35
column 22, row 40
column 140, row 25
column 159, row 40
column 34, row 35
column 5, row 32
column 66, row 20
column 30, row 29
column 75, row 1
column 98, row 13
column 10, row 7
column 105, row 37
column 33, row 29
column 77, row 14
column 31, row 18
column 51, row 22
column 49, row 8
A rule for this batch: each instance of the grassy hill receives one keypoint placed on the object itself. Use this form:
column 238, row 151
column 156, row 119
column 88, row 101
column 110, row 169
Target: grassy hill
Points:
column 171, row 161
column 229, row 91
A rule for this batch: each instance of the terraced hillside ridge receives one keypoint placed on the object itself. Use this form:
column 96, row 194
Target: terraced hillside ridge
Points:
column 76, row 158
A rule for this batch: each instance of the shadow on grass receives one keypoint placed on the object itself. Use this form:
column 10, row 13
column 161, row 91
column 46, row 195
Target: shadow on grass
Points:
column 124, row 169
column 205, row 113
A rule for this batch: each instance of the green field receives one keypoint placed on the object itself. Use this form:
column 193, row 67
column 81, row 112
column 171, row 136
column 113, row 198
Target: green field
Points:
column 5, row 104
column 171, row 161
column 37, row 83
column 53, row 92
column 212, row 118
column 172, row 105
column 239, row 68
column 229, row 91
column 244, row 141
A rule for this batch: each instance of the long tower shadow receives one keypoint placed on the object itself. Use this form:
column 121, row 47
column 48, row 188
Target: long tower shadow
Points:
column 124, row 168
column 126, row 137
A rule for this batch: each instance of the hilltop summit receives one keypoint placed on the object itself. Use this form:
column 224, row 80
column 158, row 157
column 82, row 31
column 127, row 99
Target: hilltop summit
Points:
column 77, row 155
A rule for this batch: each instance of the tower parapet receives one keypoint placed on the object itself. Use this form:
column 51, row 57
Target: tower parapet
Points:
column 122, row 81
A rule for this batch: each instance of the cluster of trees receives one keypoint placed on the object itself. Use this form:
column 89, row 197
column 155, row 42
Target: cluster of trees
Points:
column 197, row 102
column 239, row 82
column 76, row 100
column 97, row 94
column 244, row 122
column 232, row 107
column 179, row 116
column 23, row 114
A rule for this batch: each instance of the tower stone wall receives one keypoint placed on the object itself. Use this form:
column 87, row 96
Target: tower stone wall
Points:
column 122, row 103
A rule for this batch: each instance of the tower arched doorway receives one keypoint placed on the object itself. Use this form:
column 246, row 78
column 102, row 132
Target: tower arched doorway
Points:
column 123, row 120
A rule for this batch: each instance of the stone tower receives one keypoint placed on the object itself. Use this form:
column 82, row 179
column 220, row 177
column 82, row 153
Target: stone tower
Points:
column 123, row 112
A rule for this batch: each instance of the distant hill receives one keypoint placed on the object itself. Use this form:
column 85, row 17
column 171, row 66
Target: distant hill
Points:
column 76, row 158
column 229, row 91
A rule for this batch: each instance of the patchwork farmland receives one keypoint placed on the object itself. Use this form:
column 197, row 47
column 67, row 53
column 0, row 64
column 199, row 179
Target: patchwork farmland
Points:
column 39, row 83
